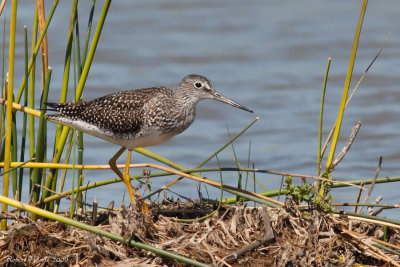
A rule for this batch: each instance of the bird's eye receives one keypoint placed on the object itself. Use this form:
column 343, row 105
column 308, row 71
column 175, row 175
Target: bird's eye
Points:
column 198, row 85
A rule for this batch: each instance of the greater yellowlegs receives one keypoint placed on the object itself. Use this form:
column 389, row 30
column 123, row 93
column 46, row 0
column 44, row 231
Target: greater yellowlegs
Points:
column 139, row 118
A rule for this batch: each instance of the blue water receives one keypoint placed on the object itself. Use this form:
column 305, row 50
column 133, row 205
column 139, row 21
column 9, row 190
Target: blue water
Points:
column 267, row 55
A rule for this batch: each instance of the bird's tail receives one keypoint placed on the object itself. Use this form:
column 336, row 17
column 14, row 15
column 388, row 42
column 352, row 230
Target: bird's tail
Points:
column 54, row 106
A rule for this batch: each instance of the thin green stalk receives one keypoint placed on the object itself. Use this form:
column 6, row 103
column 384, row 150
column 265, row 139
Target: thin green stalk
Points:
column 64, row 172
column 67, row 64
column 174, row 165
column 24, row 122
column 17, row 167
column 68, row 52
column 31, row 118
column 344, row 97
column 89, row 28
column 225, row 145
column 3, row 60
column 386, row 248
column 235, row 159
column 81, row 84
column 72, row 206
column 354, row 90
column 273, row 193
column 96, row 37
column 40, row 149
column 268, row 193
column 221, row 181
column 14, row 152
column 321, row 116
column 37, row 47
column 110, row 181
column 3, row 50
column 77, row 46
column 346, row 85
column 80, row 134
column 239, row 166
column 80, row 171
column 248, row 166
column 56, row 159
column 11, row 55
column 98, row 231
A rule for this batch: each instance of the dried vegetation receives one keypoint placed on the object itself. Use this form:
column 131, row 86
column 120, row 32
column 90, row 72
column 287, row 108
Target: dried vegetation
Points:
column 234, row 236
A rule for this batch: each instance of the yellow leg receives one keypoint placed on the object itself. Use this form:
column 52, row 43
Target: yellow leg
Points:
column 127, row 178
column 124, row 177
column 113, row 164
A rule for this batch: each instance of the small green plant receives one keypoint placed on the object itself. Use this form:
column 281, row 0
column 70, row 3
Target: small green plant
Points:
column 306, row 192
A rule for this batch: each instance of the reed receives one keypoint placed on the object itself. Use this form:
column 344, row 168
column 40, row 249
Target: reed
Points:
column 321, row 116
column 9, row 96
column 343, row 101
column 65, row 130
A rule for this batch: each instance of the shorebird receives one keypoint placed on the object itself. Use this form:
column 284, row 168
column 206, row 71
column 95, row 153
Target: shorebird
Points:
column 140, row 117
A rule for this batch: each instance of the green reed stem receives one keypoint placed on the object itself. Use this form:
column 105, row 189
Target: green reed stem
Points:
column 227, row 143
column 239, row 173
column 248, row 166
column 346, row 85
column 32, row 79
column 80, row 162
column 77, row 46
column 344, row 96
column 88, row 31
column 240, row 167
column 14, row 152
column 11, row 55
column 92, row 50
column 353, row 92
column 2, row 84
column 321, row 116
column 72, row 204
column 52, row 176
column 24, row 120
column 65, row 130
column 3, row 59
column 173, row 165
column 64, row 172
column 37, row 47
column 40, row 148
column 80, row 134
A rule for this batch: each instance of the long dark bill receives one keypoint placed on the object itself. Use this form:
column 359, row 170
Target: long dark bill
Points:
column 224, row 99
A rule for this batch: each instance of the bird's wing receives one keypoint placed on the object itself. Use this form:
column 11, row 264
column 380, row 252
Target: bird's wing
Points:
column 120, row 112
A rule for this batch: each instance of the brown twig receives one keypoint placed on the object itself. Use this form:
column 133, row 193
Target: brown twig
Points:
column 371, row 187
column 94, row 214
column 363, row 241
column 347, row 146
column 44, row 46
column 3, row 3
column 377, row 241
column 358, row 197
column 267, row 236
column 361, row 219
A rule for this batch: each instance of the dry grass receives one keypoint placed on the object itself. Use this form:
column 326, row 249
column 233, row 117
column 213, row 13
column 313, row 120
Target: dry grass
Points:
column 259, row 236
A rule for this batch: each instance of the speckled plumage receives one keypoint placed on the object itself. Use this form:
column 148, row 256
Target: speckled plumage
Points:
column 141, row 117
